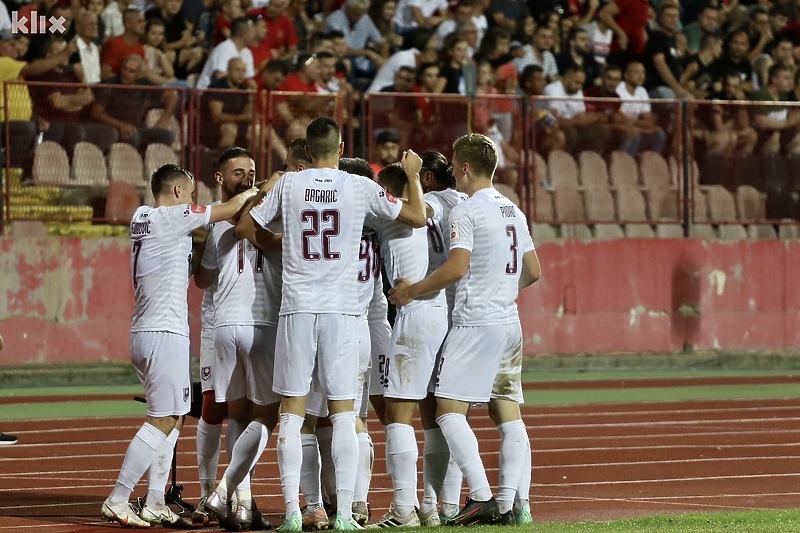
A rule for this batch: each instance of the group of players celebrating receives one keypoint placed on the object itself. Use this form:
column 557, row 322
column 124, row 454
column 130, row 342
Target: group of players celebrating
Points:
column 295, row 335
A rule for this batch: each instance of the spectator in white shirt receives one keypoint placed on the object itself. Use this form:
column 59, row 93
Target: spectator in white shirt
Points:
column 423, row 50
column 636, row 110
column 242, row 35
column 112, row 18
column 414, row 14
column 583, row 130
column 86, row 26
column 600, row 35
column 538, row 52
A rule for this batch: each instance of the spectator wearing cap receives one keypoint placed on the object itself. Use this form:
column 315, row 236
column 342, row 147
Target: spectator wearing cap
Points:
column 361, row 36
column 707, row 23
column 386, row 150
column 281, row 39
column 242, row 35
column 579, row 53
column 538, row 52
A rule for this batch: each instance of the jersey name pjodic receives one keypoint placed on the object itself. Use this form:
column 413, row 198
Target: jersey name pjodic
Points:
column 240, row 298
column 496, row 232
column 161, row 259
column 404, row 252
column 323, row 212
column 442, row 203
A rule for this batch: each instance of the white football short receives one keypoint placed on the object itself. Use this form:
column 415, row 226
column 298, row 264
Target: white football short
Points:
column 379, row 334
column 162, row 362
column 411, row 355
column 364, row 363
column 244, row 363
column 325, row 341
column 481, row 362
column 207, row 358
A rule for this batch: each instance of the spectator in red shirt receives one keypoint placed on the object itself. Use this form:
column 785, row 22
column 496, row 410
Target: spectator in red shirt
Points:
column 261, row 54
column 281, row 38
column 129, row 43
column 295, row 112
column 627, row 19
column 228, row 10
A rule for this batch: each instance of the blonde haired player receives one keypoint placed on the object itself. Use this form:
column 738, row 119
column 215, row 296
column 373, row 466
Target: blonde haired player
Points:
column 491, row 258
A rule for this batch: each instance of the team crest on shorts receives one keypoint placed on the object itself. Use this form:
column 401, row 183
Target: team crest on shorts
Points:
column 186, row 394
column 205, row 373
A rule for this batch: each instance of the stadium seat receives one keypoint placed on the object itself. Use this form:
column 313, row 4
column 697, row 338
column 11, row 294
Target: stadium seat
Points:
column 568, row 204
column 623, row 170
column 562, row 170
column 125, row 164
column 543, row 233
column 543, row 201
column 639, row 231
column 703, row 231
column 89, row 165
column 630, row 205
column 654, row 171
column 732, row 232
column 662, row 204
column 669, row 231
column 700, row 206
column 155, row 156
column 592, row 170
column 789, row 229
column 751, row 204
column 608, row 231
column 721, row 206
column 576, row 231
column 599, row 204
column 51, row 165
column 760, row 232
column 121, row 202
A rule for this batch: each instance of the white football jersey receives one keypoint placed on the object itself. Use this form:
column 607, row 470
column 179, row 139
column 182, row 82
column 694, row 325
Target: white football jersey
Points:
column 323, row 212
column 241, row 295
column 273, row 273
column 496, row 232
column 161, row 260
column 442, row 203
column 404, row 252
column 369, row 269
column 207, row 308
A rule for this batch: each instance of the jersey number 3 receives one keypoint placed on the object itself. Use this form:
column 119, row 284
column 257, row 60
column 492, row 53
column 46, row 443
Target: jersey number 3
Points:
column 329, row 218
column 511, row 232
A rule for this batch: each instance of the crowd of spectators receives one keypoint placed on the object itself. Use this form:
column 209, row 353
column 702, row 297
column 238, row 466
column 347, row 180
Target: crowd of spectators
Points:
column 628, row 52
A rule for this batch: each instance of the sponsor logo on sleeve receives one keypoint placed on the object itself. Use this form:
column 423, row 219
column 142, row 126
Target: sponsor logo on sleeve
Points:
column 390, row 197
column 198, row 209
column 455, row 233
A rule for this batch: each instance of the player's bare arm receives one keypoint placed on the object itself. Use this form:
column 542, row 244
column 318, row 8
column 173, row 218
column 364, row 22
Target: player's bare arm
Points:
column 455, row 268
column 414, row 211
column 265, row 240
column 231, row 208
column 204, row 277
column 247, row 227
column 531, row 269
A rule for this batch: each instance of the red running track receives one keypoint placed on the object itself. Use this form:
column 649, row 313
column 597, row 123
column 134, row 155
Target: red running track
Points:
column 596, row 462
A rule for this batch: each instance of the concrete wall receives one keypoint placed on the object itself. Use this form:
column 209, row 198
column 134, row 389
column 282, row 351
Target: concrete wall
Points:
column 70, row 299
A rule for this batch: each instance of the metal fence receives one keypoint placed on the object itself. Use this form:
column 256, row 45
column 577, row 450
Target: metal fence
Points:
column 580, row 168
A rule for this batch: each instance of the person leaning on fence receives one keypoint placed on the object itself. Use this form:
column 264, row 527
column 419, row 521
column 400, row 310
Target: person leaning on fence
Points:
column 778, row 127
column 123, row 107
column 18, row 109
column 229, row 109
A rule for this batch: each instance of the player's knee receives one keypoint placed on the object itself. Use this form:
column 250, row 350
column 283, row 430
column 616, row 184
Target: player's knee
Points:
column 213, row 412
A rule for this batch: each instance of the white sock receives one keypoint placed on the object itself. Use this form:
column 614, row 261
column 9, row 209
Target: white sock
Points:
column 512, row 460
column 209, row 443
column 327, row 469
column 235, row 428
column 451, row 489
column 290, row 460
column 522, row 500
column 140, row 454
column 344, row 448
column 246, row 452
column 464, row 449
column 366, row 456
column 159, row 470
column 401, row 464
column 435, row 456
column 310, row 484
